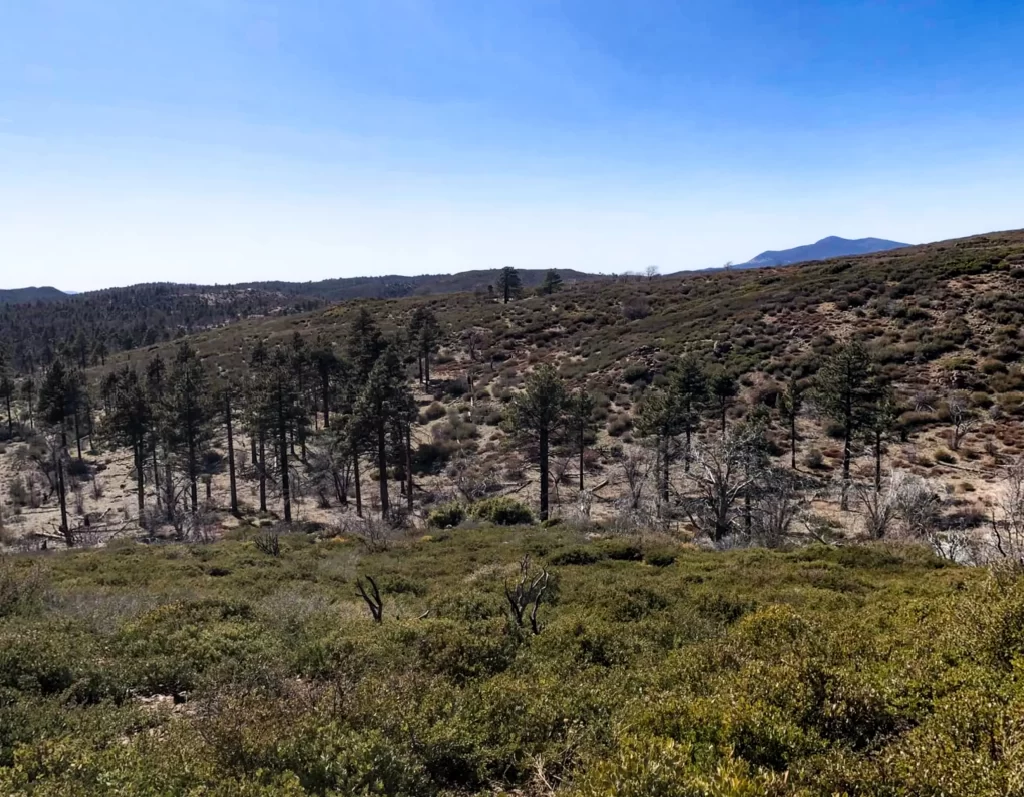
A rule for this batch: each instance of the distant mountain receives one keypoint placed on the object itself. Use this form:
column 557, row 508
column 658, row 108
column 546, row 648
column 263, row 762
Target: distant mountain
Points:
column 833, row 246
column 22, row 295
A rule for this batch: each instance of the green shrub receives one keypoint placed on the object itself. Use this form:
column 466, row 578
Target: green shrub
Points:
column 501, row 511
column 659, row 558
column 578, row 555
column 447, row 516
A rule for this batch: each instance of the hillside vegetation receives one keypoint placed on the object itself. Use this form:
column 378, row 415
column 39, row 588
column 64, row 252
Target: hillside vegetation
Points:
column 754, row 532
column 227, row 669
column 40, row 324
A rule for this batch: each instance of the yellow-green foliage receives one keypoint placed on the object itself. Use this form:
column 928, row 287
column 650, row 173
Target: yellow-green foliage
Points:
column 501, row 511
column 215, row 670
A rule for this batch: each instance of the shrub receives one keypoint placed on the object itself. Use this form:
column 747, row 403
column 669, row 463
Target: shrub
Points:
column 618, row 425
column 814, row 459
column 623, row 551
column 659, row 558
column 576, row 556
column 501, row 511
column 636, row 372
column 447, row 516
column 636, row 308
column 434, row 411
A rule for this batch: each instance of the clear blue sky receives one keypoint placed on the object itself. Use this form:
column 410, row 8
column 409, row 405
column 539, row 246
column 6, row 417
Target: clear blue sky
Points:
column 222, row 140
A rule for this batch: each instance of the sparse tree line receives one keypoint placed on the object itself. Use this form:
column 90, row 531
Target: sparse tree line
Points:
column 307, row 419
column 331, row 409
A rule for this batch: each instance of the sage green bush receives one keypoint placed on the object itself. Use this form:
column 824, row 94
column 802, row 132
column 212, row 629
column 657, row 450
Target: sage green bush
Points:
column 659, row 670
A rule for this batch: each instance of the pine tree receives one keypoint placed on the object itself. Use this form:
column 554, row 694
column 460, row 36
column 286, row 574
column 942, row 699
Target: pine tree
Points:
column 156, row 372
column 284, row 411
column 28, row 388
column 256, row 421
column 581, row 423
column 365, row 344
column 846, row 392
column 384, row 400
column 131, row 423
column 57, row 397
column 326, row 364
column 189, row 416
column 691, row 389
column 552, row 282
column 539, row 412
column 790, row 403
column 299, row 359
column 723, row 387
column 661, row 417
column 509, row 284
column 229, row 428
column 879, row 426
column 424, row 332
column 7, row 388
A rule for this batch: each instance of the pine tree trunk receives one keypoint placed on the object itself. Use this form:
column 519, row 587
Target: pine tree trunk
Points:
column 325, row 389
column 168, row 488
column 844, row 502
column 359, row 489
column 10, row 421
column 686, row 453
column 582, row 442
column 193, row 475
column 878, row 462
column 792, row 442
column 408, row 465
column 140, row 476
column 544, row 473
column 426, row 369
column 283, row 434
column 253, row 455
column 78, row 438
column 664, row 471
column 263, row 470
column 58, row 462
column 382, row 470
column 156, row 478
column 231, row 457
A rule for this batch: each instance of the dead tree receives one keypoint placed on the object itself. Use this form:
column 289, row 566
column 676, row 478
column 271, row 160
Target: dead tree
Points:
column 373, row 599
column 527, row 593
column 962, row 418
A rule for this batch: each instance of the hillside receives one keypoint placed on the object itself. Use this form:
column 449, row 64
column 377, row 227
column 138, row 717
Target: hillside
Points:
column 90, row 325
column 826, row 248
column 939, row 321
column 385, row 609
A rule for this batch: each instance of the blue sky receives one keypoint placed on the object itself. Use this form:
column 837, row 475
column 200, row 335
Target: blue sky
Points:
column 221, row 140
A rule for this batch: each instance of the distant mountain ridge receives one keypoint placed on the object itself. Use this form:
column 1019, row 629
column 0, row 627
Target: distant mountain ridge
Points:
column 833, row 246
column 33, row 294
column 329, row 290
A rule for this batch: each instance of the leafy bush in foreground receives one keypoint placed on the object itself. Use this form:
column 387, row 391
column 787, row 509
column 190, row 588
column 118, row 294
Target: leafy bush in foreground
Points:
column 868, row 670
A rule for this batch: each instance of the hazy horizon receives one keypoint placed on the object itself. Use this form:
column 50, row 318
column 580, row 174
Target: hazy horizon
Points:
column 217, row 141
